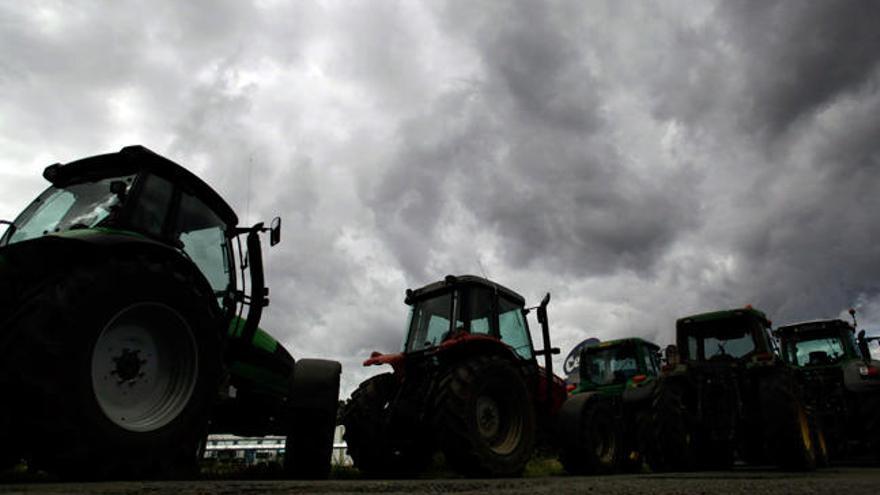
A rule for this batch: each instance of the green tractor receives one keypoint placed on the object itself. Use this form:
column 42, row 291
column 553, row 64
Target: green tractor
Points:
column 600, row 427
column 467, row 382
column 726, row 391
column 123, row 335
column 841, row 382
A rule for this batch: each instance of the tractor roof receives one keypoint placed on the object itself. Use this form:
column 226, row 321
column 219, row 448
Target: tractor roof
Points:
column 459, row 280
column 723, row 315
column 813, row 326
column 131, row 160
column 621, row 342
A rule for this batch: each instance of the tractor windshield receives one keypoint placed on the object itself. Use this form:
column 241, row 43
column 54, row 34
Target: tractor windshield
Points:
column 814, row 350
column 75, row 206
column 611, row 365
column 430, row 322
column 731, row 338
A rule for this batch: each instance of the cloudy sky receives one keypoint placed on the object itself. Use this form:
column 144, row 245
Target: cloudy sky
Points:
column 639, row 160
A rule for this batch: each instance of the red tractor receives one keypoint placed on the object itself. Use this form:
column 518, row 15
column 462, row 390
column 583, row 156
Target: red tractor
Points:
column 467, row 383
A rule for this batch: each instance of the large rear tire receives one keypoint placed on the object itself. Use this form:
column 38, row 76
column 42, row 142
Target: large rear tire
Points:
column 598, row 448
column 867, row 414
column 485, row 418
column 787, row 424
column 117, row 365
column 314, row 397
column 671, row 442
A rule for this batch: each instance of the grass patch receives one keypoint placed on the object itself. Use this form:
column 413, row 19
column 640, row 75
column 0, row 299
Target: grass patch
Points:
column 540, row 466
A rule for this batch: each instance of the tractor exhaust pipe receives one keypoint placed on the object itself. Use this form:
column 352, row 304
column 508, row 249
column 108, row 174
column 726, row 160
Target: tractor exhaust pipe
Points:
column 548, row 350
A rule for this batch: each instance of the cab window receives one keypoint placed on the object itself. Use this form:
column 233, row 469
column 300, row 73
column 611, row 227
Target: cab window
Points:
column 152, row 206
column 202, row 235
column 429, row 322
column 651, row 366
column 480, row 309
column 512, row 326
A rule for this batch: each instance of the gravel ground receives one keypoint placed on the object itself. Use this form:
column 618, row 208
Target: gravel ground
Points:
column 835, row 480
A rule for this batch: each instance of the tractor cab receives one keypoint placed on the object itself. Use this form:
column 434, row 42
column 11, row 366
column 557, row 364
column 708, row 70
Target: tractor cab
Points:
column 733, row 336
column 818, row 343
column 830, row 349
column 466, row 309
column 613, row 366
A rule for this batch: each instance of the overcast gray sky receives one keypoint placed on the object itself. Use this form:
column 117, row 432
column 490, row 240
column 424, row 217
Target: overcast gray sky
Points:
column 639, row 160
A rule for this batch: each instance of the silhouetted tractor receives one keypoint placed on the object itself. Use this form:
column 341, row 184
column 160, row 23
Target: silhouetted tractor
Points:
column 123, row 335
column 841, row 382
column 467, row 382
column 602, row 426
column 727, row 391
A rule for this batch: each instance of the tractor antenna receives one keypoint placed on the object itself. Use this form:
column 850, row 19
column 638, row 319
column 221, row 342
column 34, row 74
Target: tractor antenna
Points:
column 482, row 271
column 247, row 204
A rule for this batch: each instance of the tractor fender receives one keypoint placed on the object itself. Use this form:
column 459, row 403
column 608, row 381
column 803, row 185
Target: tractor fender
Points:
column 471, row 345
column 853, row 381
column 33, row 266
column 568, row 420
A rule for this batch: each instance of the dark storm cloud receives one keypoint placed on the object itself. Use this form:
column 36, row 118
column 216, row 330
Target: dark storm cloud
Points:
column 528, row 151
column 766, row 65
column 811, row 77
column 801, row 56
column 815, row 249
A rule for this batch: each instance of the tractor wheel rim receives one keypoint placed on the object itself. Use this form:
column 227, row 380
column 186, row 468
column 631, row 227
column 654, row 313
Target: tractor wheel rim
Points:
column 144, row 367
column 488, row 417
column 499, row 421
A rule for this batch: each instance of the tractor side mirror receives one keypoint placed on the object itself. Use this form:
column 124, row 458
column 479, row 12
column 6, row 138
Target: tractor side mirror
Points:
column 863, row 346
column 275, row 231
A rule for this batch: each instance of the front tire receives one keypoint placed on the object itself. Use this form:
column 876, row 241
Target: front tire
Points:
column 598, row 448
column 314, row 397
column 374, row 448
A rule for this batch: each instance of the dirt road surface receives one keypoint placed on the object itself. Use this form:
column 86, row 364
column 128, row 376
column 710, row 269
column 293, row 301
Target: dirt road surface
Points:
column 848, row 480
